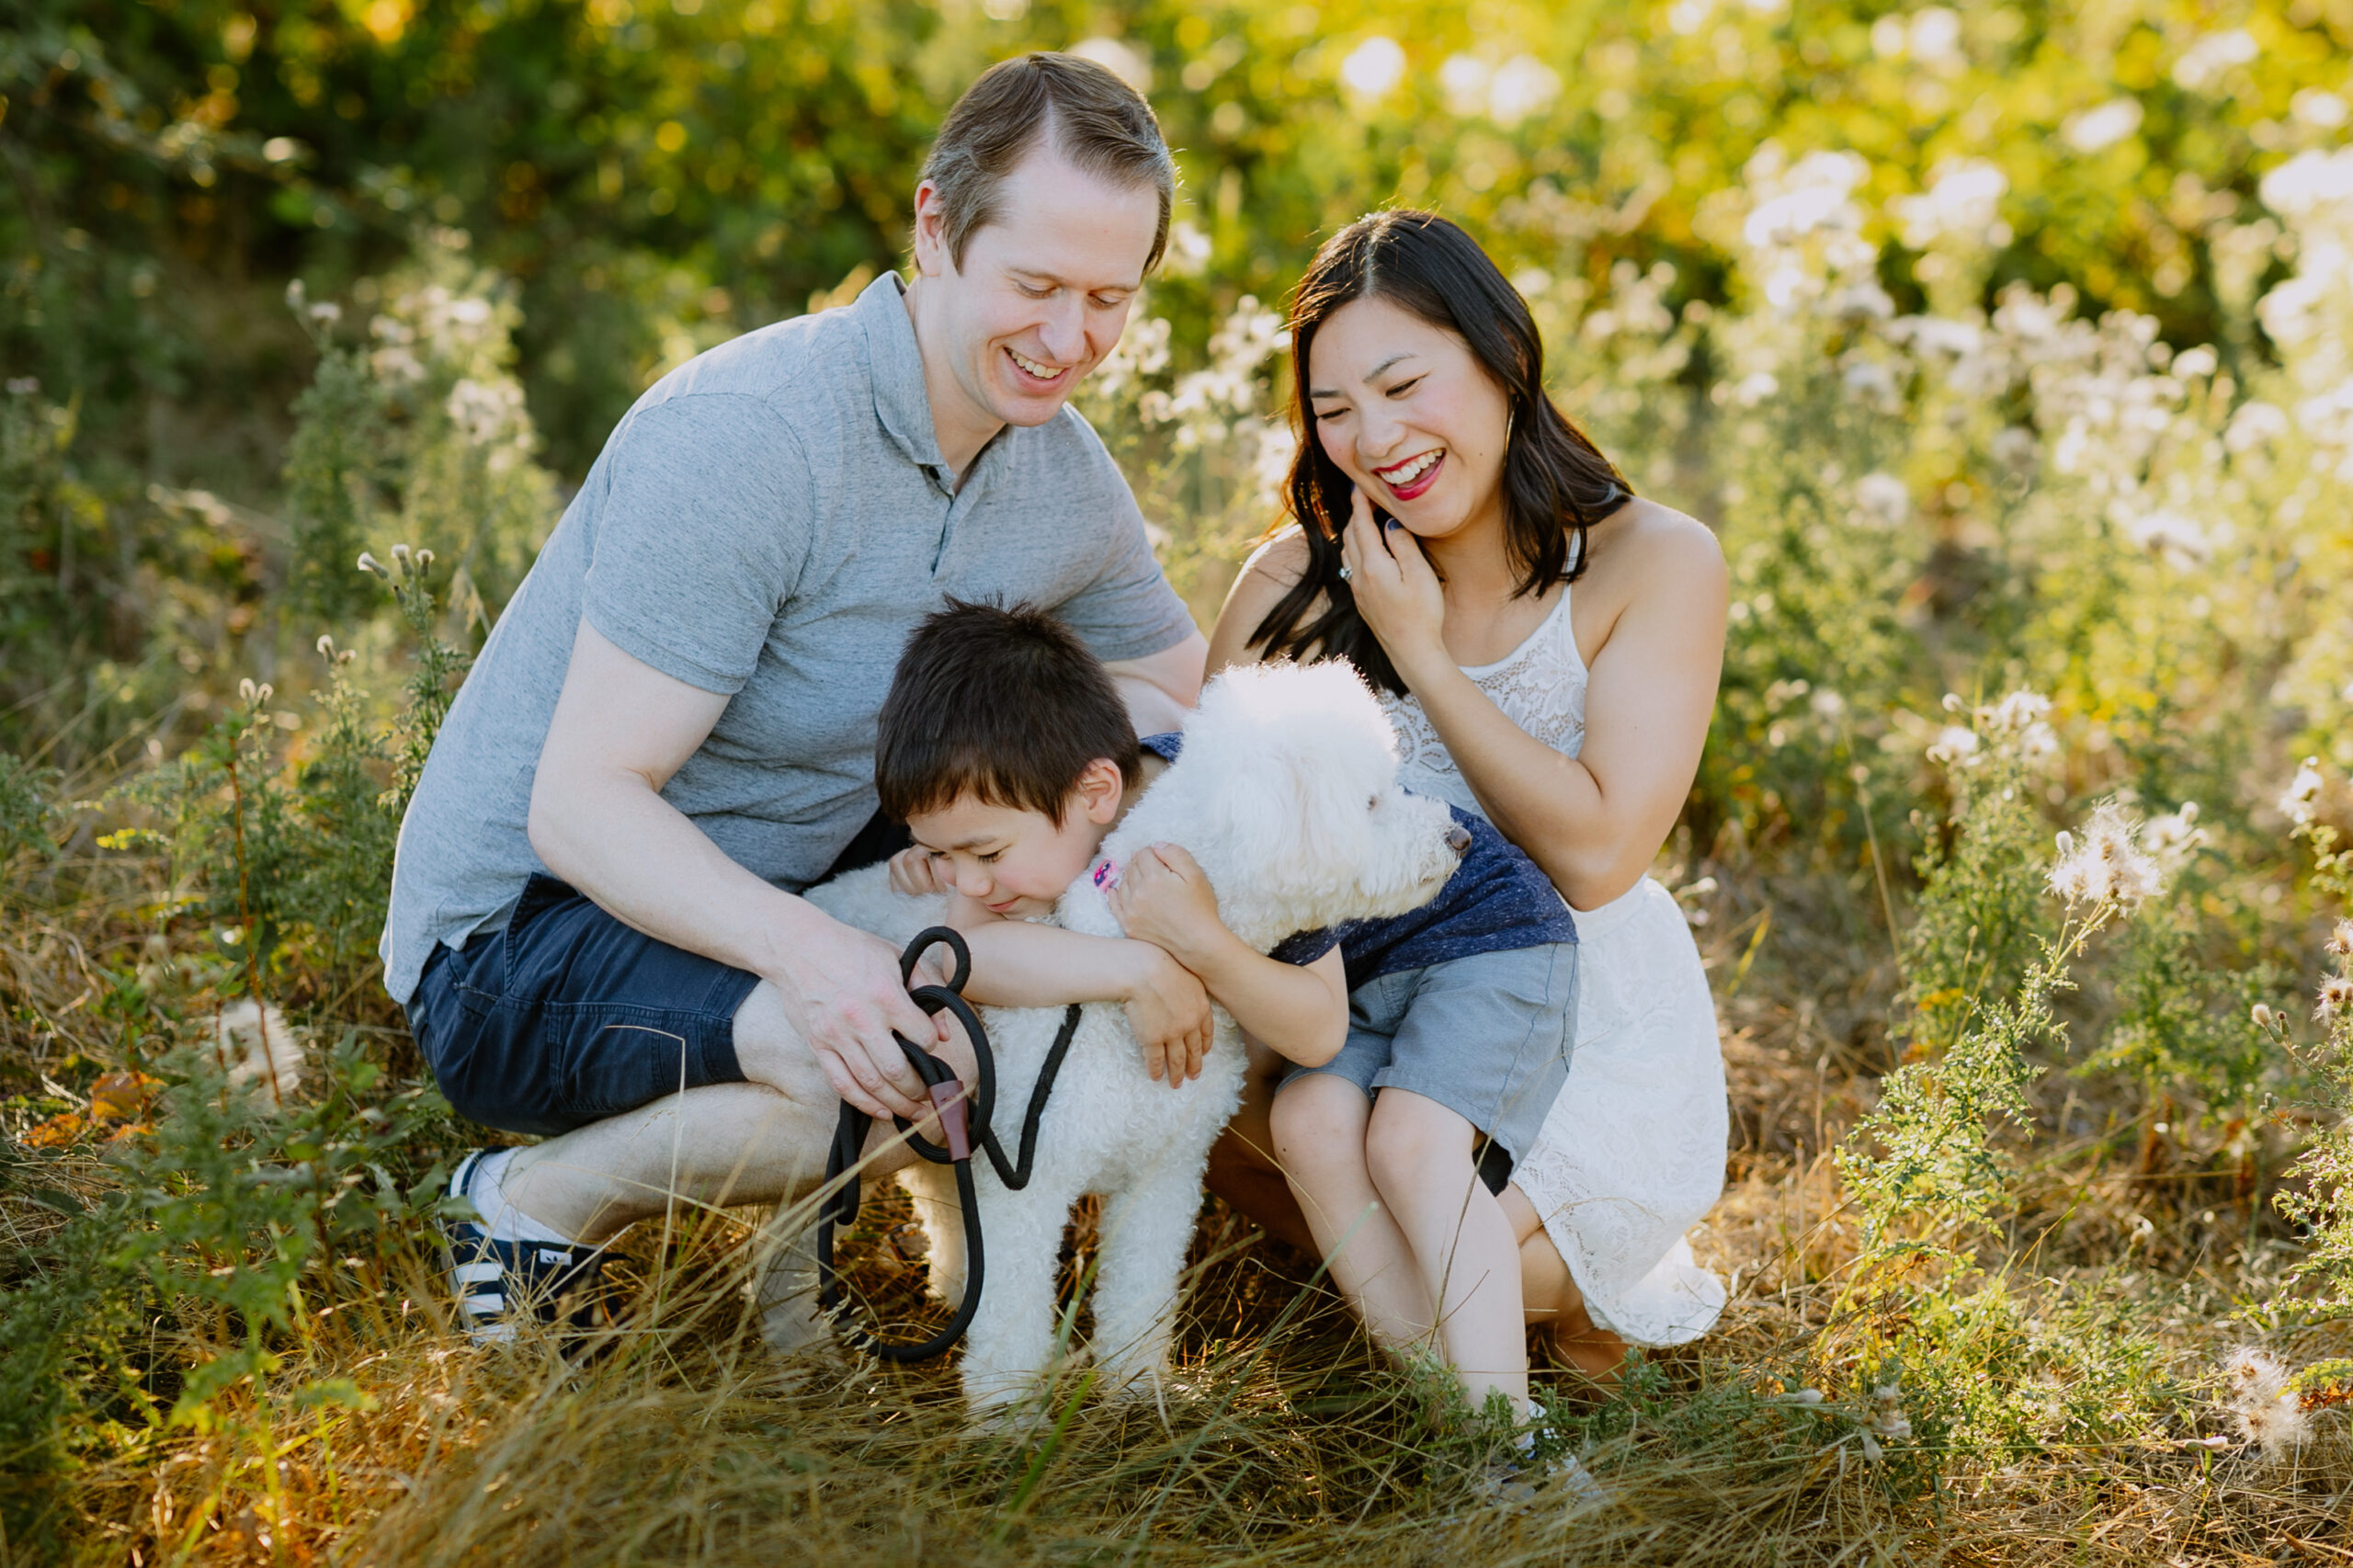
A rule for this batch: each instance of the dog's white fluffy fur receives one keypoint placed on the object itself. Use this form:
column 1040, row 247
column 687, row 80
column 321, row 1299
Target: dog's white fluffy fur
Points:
column 1287, row 795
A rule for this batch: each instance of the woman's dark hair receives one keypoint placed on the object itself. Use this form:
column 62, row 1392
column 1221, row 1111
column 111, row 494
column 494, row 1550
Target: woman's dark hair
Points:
column 1556, row 483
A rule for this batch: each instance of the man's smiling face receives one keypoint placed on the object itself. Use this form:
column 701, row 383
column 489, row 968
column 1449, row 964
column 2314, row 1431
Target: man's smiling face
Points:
column 1039, row 297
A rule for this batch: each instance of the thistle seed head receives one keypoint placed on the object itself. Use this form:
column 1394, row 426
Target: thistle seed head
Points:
column 2109, row 864
column 2335, row 998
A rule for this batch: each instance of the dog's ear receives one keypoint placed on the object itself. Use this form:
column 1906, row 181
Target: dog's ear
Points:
column 1325, row 810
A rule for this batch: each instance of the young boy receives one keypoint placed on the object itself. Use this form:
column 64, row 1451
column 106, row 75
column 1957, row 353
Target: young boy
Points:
column 1008, row 752
column 1004, row 748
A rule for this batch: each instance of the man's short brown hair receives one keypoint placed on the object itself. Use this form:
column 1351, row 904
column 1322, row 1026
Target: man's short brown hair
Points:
column 1007, row 705
column 1097, row 121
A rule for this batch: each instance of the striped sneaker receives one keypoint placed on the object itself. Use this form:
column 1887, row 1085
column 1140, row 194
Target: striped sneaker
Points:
column 498, row 1283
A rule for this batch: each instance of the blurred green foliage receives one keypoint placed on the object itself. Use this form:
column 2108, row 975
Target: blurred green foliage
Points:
column 660, row 175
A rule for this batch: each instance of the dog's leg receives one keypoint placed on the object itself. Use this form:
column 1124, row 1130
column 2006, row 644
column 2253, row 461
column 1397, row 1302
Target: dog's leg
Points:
column 941, row 1210
column 1010, row 1347
column 784, row 1281
column 1146, row 1231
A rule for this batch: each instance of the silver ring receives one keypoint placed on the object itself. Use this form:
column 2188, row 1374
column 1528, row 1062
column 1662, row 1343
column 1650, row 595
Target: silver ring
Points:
column 1347, row 573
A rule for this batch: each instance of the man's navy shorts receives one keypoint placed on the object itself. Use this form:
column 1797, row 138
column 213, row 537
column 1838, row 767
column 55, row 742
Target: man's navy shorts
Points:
column 568, row 1016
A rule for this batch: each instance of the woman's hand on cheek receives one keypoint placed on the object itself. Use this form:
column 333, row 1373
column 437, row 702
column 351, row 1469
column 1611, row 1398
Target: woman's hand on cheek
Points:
column 1396, row 591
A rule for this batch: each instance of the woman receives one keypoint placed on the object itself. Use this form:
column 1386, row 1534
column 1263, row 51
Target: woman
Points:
column 1443, row 508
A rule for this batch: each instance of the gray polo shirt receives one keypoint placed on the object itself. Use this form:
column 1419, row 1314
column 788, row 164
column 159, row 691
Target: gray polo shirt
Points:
column 768, row 523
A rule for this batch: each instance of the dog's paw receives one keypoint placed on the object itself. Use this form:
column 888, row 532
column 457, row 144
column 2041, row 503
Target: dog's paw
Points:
column 1020, row 1414
column 1150, row 1383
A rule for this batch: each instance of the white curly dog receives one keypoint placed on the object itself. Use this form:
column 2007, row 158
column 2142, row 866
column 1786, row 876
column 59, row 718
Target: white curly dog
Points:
column 1286, row 793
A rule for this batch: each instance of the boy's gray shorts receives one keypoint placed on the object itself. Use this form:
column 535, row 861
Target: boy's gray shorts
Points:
column 1487, row 1036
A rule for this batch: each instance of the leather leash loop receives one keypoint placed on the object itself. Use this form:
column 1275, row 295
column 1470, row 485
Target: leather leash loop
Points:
column 965, row 1122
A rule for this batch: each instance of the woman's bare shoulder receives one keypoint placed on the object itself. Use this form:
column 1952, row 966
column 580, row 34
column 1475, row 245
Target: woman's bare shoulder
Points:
column 1282, row 560
column 1644, row 544
column 1273, row 570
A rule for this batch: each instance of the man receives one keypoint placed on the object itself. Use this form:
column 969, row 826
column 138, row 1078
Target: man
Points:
column 594, row 925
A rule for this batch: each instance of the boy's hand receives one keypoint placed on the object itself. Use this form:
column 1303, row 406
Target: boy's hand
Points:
column 916, row 874
column 1170, row 1011
column 1164, row 897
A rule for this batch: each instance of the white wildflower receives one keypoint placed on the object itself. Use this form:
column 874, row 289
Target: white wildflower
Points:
column 1871, row 380
column 2270, row 1414
column 258, row 1047
column 483, row 411
column 1883, row 499
column 2168, row 534
column 2015, row 714
column 1188, row 250
column 2335, row 998
column 1964, row 202
column 2257, row 423
column 2340, row 941
column 1373, row 67
column 2171, row 839
column 2264, row 1018
column 2204, row 61
column 2103, row 127
column 2296, row 805
column 1521, row 87
column 2109, row 864
column 1956, row 746
column 1862, row 301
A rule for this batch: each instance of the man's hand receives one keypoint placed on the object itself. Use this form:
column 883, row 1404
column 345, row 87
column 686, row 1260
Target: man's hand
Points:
column 1170, row 1011
column 841, row 990
column 917, row 873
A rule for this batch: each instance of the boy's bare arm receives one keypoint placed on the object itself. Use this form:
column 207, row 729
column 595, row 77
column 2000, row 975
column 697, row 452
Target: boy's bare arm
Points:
column 1016, row 963
column 1299, row 1010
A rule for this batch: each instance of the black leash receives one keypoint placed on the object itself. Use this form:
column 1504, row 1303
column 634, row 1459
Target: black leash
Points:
column 965, row 1127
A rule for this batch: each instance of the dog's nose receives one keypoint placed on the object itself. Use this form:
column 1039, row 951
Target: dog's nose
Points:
column 1458, row 838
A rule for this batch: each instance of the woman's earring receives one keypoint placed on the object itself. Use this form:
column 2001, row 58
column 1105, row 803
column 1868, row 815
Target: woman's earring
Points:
column 1509, row 414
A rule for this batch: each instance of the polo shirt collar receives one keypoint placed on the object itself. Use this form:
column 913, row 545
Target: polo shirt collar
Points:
column 896, row 364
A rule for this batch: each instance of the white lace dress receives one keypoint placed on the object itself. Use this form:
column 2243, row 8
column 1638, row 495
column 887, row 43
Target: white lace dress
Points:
column 1632, row 1156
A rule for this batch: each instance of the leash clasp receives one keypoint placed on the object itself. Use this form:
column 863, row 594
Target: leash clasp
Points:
column 947, row 1100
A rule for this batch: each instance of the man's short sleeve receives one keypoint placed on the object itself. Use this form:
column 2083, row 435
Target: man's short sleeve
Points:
column 1127, row 611
column 701, row 537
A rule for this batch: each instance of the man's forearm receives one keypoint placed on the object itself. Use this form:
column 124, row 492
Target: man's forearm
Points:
column 641, row 859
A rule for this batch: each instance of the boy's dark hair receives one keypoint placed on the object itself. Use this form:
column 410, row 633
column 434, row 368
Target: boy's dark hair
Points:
column 1004, row 704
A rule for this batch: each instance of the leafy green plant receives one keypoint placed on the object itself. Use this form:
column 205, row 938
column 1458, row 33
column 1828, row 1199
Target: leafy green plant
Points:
column 248, row 1210
column 2324, row 1205
column 271, row 850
